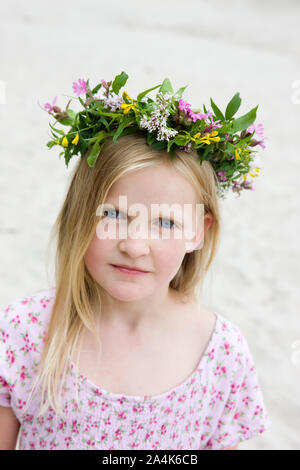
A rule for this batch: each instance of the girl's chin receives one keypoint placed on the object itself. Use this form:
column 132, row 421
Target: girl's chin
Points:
column 128, row 291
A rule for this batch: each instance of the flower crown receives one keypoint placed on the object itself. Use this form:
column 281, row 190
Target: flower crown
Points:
column 168, row 122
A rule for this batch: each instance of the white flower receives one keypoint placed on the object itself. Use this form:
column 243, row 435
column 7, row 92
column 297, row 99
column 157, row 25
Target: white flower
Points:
column 113, row 101
column 163, row 99
column 165, row 133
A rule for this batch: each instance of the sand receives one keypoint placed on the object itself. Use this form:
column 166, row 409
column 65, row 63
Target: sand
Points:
column 216, row 49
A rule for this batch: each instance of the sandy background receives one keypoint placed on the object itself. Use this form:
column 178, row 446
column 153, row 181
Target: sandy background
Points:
column 218, row 49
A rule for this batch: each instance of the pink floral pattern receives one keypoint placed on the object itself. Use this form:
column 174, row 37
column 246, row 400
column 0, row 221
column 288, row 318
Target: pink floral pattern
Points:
column 218, row 406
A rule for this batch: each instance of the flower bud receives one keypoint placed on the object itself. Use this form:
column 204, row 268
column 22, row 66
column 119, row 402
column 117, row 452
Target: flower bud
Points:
column 254, row 143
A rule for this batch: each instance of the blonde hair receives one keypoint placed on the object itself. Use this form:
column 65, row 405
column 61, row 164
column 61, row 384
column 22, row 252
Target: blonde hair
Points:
column 74, row 229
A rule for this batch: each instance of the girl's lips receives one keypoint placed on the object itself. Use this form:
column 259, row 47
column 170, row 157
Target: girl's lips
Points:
column 128, row 271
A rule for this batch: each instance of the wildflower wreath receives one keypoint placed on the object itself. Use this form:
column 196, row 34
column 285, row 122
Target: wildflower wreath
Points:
column 168, row 122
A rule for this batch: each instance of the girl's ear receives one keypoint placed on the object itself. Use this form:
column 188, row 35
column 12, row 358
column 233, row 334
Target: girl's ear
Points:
column 196, row 241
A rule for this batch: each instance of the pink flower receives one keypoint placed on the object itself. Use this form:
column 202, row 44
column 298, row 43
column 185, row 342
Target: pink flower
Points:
column 196, row 116
column 80, row 87
column 221, row 175
column 186, row 109
column 214, row 124
column 184, row 106
column 49, row 107
column 259, row 130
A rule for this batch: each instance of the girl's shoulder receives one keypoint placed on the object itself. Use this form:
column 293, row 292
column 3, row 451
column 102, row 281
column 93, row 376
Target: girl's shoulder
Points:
column 230, row 347
column 28, row 311
column 23, row 323
column 223, row 331
column 23, row 326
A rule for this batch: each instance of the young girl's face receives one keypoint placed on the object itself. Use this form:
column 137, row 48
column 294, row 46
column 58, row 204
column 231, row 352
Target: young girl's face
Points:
column 151, row 251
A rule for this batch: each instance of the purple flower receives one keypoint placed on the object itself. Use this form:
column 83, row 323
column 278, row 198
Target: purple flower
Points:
column 262, row 144
column 221, row 175
column 213, row 123
column 259, row 130
column 186, row 109
column 184, row 106
column 49, row 107
column 80, row 87
column 196, row 116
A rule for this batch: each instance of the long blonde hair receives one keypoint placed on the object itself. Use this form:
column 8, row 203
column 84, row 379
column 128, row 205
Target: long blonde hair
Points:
column 73, row 231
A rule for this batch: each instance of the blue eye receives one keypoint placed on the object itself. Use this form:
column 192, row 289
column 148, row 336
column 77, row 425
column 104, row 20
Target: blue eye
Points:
column 160, row 218
column 170, row 221
column 109, row 210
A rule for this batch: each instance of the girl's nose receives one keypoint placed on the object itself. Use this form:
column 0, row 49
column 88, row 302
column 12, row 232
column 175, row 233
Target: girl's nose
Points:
column 134, row 247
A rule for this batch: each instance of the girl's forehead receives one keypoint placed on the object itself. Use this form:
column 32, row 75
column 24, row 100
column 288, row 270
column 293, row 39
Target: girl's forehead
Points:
column 153, row 185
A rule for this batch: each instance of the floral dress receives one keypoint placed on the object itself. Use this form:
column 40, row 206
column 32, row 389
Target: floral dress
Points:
column 219, row 405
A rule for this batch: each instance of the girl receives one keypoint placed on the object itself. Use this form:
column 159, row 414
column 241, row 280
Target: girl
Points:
column 112, row 358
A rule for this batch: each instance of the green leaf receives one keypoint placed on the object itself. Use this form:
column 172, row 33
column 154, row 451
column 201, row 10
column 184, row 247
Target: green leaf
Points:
column 181, row 139
column 57, row 130
column 119, row 82
column 140, row 96
column 71, row 113
column 180, row 91
column 233, row 106
column 216, row 110
column 172, row 151
column 122, row 126
column 68, row 156
column 244, row 121
column 246, row 139
column 166, row 86
column 51, row 143
column 94, row 154
column 66, row 121
column 113, row 115
column 159, row 144
column 150, row 138
column 94, row 90
column 206, row 151
column 104, row 121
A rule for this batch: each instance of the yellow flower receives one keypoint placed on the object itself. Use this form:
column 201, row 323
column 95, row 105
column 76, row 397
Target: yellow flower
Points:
column 214, row 138
column 237, row 155
column 75, row 140
column 125, row 95
column 127, row 107
column 207, row 138
column 65, row 142
column 245, row 177
column 255, row 174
